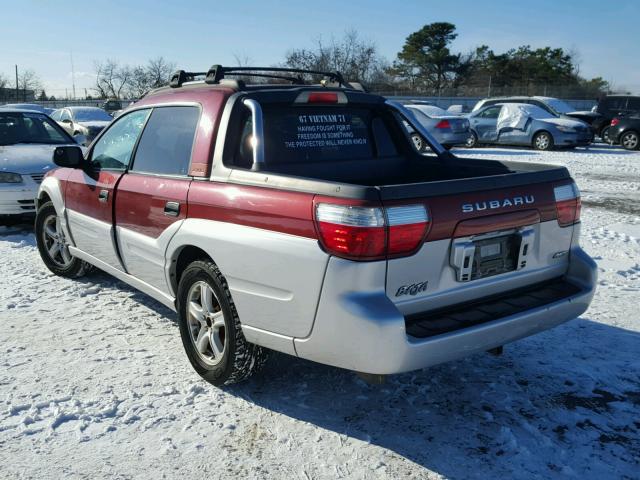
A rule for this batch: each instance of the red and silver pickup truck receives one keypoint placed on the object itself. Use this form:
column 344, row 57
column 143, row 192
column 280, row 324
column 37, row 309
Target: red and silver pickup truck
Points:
column 299, row 217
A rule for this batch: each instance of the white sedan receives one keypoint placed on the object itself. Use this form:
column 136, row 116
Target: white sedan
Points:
column 27, row 142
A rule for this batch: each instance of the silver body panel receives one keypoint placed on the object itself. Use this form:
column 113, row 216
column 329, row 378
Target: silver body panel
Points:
column 432, row 264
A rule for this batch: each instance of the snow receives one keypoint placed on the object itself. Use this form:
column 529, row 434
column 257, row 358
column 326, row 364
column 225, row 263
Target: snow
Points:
column 94, row 382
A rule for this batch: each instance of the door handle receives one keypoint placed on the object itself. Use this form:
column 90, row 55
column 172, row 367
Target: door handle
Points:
column 103, row 196
column 172, row 209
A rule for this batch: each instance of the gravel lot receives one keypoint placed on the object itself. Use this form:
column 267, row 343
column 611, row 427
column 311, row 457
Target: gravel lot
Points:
column 94, row 382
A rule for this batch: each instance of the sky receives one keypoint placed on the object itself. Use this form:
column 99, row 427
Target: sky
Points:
column 43, row 35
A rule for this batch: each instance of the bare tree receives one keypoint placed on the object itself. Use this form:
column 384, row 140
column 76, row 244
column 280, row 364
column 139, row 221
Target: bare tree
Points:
column 158, row 72
column 111, row 78
column 356, row 59
column 28, row 80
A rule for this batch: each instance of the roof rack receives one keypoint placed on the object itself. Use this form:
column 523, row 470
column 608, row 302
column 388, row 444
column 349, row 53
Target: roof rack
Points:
column 217, row 72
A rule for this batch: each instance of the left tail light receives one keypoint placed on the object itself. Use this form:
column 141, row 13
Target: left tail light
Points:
column 371, row 233
column 443, row 124
column 568, row 204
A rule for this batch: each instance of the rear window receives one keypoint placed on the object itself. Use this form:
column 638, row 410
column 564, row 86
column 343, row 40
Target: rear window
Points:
column 314, row 134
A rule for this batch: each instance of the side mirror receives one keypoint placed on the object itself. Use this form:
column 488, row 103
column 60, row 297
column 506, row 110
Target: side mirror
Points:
column 81, row 140
column 69, row 157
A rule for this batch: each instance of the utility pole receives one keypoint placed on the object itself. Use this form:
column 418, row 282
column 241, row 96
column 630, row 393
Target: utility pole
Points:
column 489, row 91
column 73, row 76
column 17, row 89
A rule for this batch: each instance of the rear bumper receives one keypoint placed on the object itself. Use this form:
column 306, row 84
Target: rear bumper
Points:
column 365, row 332
column 451, row 138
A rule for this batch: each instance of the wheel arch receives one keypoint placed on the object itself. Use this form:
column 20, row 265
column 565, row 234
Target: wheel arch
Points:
column 181, row 259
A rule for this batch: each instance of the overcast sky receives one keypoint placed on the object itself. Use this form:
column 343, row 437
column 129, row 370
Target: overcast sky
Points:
column 41, row 35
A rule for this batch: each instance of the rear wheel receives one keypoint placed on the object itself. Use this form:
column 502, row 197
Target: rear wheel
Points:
column 604, row 134
column 210, row 328
column 53, row 245
column 630, row 140
column 543, row 141
column 472, row 141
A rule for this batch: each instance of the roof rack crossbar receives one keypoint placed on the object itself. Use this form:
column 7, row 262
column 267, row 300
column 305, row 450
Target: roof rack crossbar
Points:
column 217, row 73
column 180, row 77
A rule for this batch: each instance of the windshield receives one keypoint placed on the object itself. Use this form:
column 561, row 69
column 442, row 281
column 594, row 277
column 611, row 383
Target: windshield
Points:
column 430, row 110
column 91, row 115
column 30, row 128
column 559, row 105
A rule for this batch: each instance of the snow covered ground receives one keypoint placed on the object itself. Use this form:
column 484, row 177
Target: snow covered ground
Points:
column 94, row 382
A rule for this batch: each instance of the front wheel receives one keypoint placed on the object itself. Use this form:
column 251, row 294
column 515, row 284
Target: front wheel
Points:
column 630, row 140
column 543, row 141
column 53, row 245
column 210, row 328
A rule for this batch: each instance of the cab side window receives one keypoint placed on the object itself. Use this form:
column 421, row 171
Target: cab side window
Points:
column 166, row 144
column 114, row 149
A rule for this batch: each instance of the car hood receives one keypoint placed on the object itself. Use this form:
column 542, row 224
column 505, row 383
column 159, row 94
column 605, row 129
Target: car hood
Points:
column 27, row 158
column 94, row 124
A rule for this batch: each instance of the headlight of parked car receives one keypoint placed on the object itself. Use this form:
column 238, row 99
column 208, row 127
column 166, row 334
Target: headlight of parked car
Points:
column 564, row 129
column 7, row 177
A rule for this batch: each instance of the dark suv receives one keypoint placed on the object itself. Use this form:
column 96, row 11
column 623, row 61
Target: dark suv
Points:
column 612, row 106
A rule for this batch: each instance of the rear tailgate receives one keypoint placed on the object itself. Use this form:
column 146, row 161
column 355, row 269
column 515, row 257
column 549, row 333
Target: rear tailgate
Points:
column 480, row 243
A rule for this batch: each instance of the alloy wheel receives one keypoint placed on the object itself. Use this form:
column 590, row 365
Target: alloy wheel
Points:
column 55, row 242
column 630, row 140
column 542, row 141
column 206, row 323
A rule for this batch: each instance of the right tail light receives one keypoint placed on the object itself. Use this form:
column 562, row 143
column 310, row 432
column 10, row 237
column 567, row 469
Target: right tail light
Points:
column 568, row 204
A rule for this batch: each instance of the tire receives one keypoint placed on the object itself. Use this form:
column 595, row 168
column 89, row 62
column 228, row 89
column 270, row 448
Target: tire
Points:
column 604, row 134
column 472, row 141
column 50, row 238
column 630, row 140
column 542, row 141
column 208, row 317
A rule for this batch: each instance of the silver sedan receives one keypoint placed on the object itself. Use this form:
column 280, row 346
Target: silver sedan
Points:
column 448, row 129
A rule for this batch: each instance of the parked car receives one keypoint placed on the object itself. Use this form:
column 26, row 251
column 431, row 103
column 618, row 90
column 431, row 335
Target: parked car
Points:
column 112, row 105
column 300, row 218
column 526, row 125
column 87, row 121
column 34, row 107
column 612, row 106
column 449, row 130
column 27, row 142
column 626, row 132
column 552, row 105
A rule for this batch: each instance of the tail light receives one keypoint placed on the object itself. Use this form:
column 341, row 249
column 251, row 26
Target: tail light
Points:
column 615, row 122
column 567, row 204
column 371, row 233
column 443, row 124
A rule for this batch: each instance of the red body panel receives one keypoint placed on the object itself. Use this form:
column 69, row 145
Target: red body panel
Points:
column 212, row 102
column 267, row 208
column 141, row 199
column 446, row 212
column 82, row 190
column 492, row 223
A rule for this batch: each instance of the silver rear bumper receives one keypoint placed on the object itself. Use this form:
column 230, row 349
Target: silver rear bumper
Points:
column 364, row 331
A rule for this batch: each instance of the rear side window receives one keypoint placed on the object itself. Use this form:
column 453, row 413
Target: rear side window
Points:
column 167, row 140
column 634, row 104
column 318, row 134
column 615, row 103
